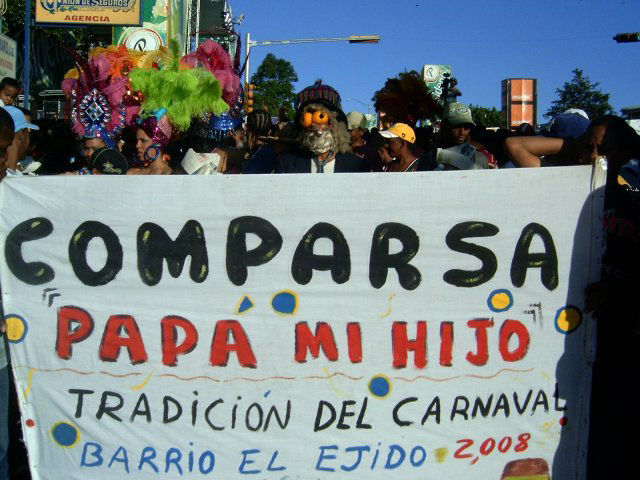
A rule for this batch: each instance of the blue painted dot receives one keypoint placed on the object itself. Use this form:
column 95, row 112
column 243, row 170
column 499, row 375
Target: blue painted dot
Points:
column 245, row 305
column 65, row 434
column 285, row 302
column 379, row 386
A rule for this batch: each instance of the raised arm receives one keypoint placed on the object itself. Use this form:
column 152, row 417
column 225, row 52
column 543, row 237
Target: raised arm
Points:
column 526, row 151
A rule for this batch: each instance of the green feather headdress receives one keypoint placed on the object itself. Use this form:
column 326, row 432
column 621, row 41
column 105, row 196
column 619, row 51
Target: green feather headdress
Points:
column 185, row 93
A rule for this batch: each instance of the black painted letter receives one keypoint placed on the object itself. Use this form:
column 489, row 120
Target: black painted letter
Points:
column 78, row 245
column 381, row 261
column 154, row 246
column 454, row 239
column 547, row 261
column 33, row 273
column 305, row 261
column 238, row 257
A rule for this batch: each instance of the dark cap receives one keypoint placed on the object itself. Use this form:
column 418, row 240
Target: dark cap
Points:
column 109, row 161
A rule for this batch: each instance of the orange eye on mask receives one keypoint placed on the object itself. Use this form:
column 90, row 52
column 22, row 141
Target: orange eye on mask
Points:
column 318, row 117
column 306, row 119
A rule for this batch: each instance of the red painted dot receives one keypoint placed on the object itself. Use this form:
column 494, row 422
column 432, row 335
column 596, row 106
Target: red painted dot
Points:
column 563, row 421
column 30, row 423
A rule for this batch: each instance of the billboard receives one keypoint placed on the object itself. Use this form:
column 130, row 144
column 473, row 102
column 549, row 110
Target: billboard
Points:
column 519, row 102
column 203, row 333
column 89, row 12
column 161, row 21
column 433, row 75
column 8, row 57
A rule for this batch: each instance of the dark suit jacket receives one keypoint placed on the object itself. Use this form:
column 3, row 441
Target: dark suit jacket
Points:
column 300, row 162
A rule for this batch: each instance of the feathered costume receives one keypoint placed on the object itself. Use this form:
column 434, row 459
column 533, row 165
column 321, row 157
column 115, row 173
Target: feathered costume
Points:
column 117, row 86
column 183, row 92
column 216, row 59
column 406, row 99
column 97, row 100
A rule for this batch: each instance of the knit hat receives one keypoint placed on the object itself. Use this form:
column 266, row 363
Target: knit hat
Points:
column 324, row 95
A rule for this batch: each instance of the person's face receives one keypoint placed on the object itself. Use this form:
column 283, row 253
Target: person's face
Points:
column 8, row 95
column 394, row 146
column 239, row 137
column 5, row 141
column 23, row 137
column 91, row 145
column 143, row 141
column 595, row 145
column 602, row 143
column 460, row 133
column 384, row 154
column 356, row 134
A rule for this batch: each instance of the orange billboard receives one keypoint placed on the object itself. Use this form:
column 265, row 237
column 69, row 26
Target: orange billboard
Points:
column 519, row 102
column 521, row 113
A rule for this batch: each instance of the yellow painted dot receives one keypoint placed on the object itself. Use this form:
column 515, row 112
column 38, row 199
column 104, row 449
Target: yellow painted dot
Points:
column 568, row 319
column 500, row 301
column 16, row 328
column 441, row 454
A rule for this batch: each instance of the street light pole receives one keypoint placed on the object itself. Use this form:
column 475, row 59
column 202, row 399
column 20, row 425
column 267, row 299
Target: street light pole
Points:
column 351, row 39
column 368, row 105
column 26, row 70
column 246, row 63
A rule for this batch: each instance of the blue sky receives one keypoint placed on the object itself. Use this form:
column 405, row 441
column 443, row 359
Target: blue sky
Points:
column 485, row 41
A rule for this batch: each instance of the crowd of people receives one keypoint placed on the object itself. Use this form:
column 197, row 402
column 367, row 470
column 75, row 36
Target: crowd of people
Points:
column 139, row 113
column 148, row 113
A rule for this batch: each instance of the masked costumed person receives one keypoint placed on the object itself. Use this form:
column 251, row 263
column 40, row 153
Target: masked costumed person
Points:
column 173, row 94
column 324, row 138
column 98, row 110
column 101, row 94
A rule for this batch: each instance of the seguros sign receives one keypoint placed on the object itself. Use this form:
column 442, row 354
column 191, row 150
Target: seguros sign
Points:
column 111, row 12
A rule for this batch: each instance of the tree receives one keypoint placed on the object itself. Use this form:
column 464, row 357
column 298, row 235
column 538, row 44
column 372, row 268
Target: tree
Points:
column 581, row 93
column 489, row 117
column 274, row 84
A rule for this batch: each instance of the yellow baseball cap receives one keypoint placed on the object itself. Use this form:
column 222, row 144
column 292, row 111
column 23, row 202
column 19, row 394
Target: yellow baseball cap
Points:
column 400, row 130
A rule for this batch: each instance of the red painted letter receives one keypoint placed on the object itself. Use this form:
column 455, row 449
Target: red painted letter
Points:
column 446, row 344
column 112, row 342
column 170, row 350
column 220, row 346
column 401, row 345
column 68, row 333
column 509, row 328
column 305, row 340
column 481, row 357
column 354, row 341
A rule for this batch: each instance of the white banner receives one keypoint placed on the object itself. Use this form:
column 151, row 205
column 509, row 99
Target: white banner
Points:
column 302, row 326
